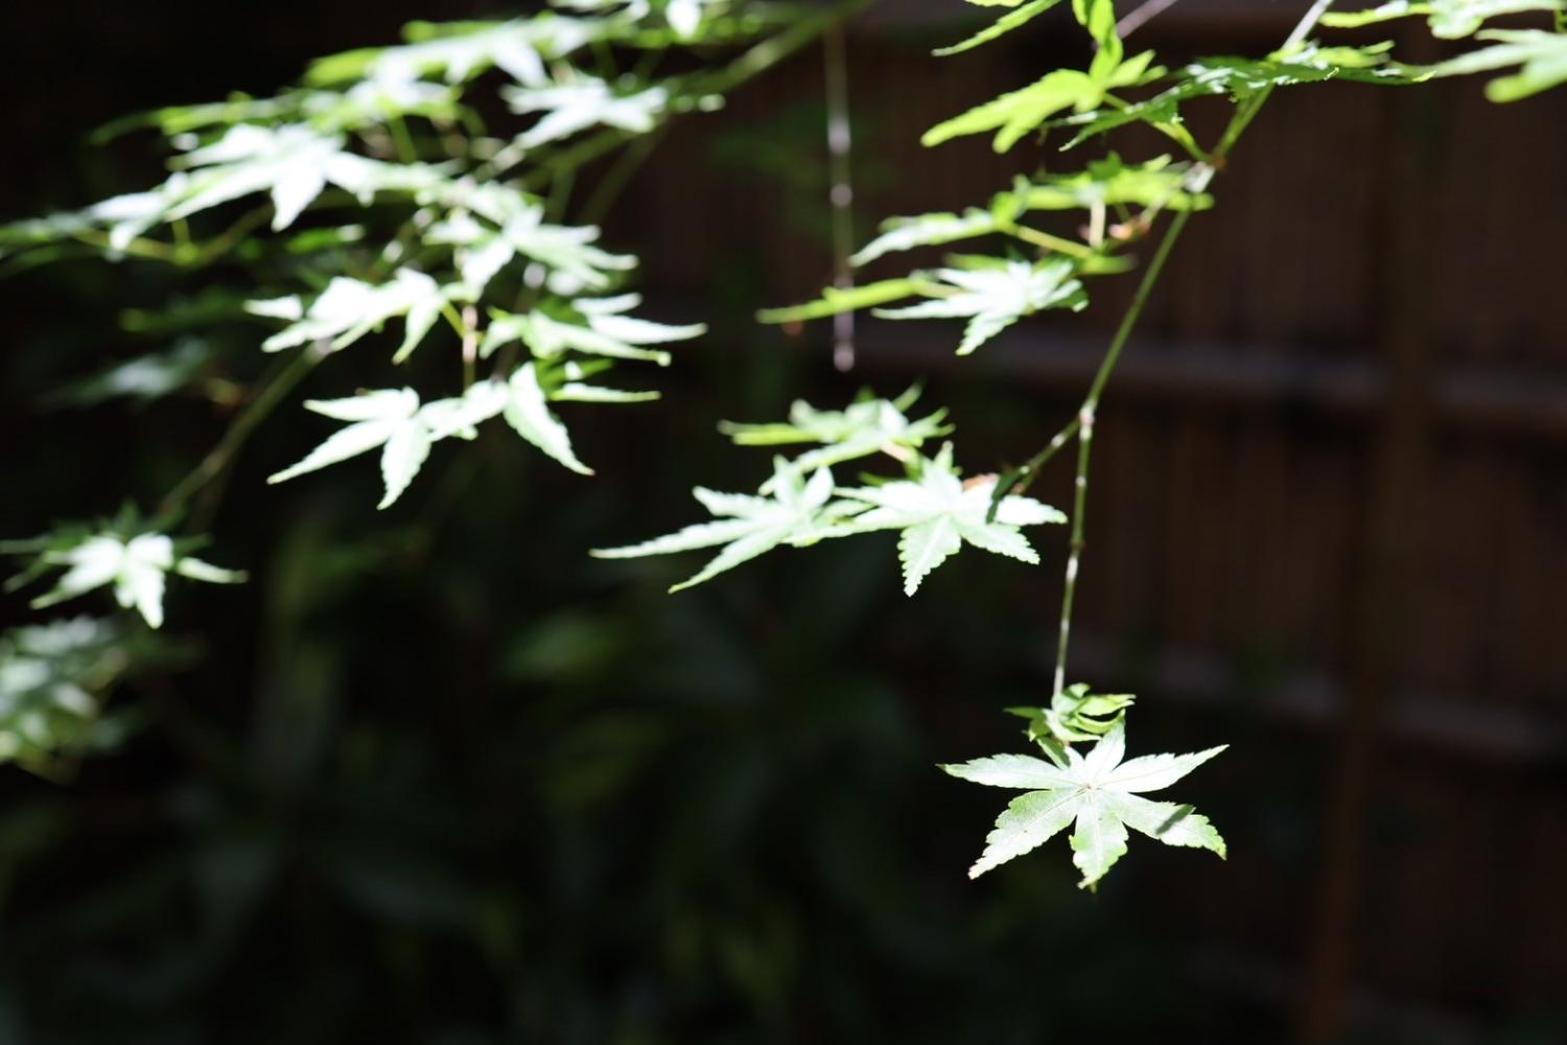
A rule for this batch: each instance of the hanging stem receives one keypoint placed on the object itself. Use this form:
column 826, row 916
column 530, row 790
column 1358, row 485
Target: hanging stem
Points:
column 1141, row 16
column 217, row 462
column 470, row 345
column 1083, row 425
column 402, row 140
column 615, row 180
column 1059, row 244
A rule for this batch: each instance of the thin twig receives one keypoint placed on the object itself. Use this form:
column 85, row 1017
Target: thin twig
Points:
column 614, row 182
column 221, row 457
column 470, row 344
column 1087, row 413
column 1141, row 16
column 1086, row 416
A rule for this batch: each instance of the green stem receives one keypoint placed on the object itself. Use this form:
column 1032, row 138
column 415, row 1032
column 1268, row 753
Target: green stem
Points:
column 136, row 248
column 1087, row 413
column 1086, row 416
column 218, row 460
column 616, row 178
column 1059, row 244
column 470, row 345
column 560, row 195
column 230, row 237
column 402, row 140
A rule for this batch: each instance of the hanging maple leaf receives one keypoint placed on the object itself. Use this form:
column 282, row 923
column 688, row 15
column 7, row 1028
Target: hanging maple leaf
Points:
column 526, row 409
column 864, row 428
column 1541, row 58
column 349, row 308
column 685, row 17
column 1015, row 114
column 796, row 514
column 394, row 421
column 926, row 230
column 1099, row 794
column 136, row 567
column 994, row 295
column 517, row 229
column 582, row 103
column 459, row 53
column 1448, row 19
column 937, row 513
column 603, row 330
column 292, row 164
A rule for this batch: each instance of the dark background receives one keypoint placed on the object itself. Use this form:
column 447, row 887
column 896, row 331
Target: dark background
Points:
column 438, row 776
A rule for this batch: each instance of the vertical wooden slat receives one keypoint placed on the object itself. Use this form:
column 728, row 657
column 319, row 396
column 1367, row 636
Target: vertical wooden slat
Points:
column 1392, row 517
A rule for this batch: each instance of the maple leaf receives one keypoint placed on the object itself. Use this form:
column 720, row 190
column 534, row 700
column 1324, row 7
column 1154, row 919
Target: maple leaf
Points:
column 395, row 422
column 603, row 330
column 797, row 514
column 995, row 296
column 938, row 513
column 926, row 230
column 349, row 308
column 866, row 427
column 458, row 53
column 585, row 102
column 1099, row 794
column 136, row 567
column 292, row 164
column 519, row 230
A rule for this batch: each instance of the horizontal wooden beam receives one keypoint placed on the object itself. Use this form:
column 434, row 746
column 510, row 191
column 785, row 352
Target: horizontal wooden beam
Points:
column 1351, row 386
column 1459, row 725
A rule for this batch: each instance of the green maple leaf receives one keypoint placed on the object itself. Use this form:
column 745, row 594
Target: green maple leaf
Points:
column 394, row 421
column 1541, row 58
column 582, row 103
column 135, row 567
column 460, row 51
column 995, row 295
column 938, row 513
column 519, row 231
column 349, row 308
column 602, row 328
column 866, row 427
column 1099, row 794
column 1076, row 714
column 1014, row 114
column 1449, row 19
column 796, row 514
column 293, row 164
column 1016, row 18
column 1112, row 182
column 927, row 230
